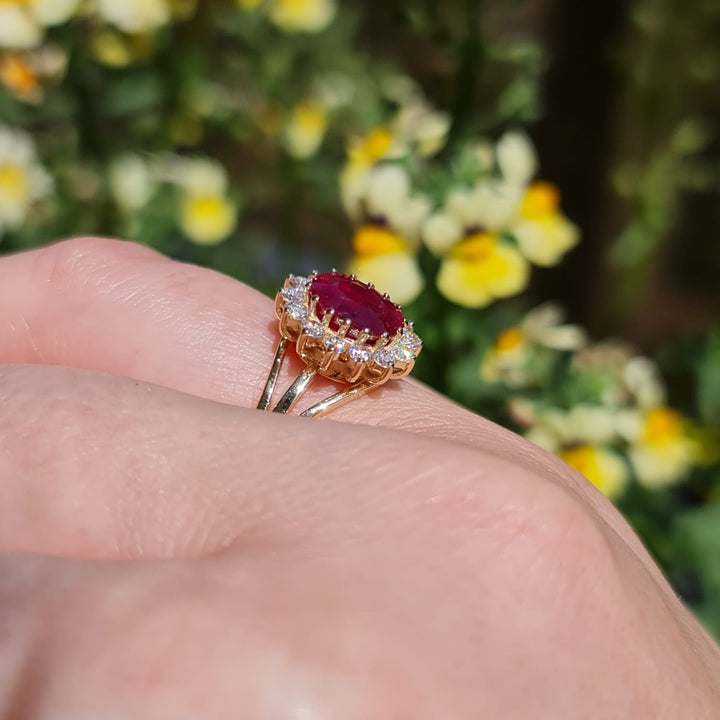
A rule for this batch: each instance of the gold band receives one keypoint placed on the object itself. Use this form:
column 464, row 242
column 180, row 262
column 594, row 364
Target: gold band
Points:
column 300, row 385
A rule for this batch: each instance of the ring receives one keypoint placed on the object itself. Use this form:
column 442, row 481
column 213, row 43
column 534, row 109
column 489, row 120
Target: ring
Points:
column 343, row 329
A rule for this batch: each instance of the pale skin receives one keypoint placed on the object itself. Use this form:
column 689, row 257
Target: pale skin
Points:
column 168, row 552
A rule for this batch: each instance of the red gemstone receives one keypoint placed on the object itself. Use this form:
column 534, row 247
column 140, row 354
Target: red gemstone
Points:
column 352, row 300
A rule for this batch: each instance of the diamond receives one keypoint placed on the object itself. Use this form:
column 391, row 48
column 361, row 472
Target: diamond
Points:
column 297, row 312
column 360, row 353
column 402, row 353
column 384, row 358
column 362, row 305
column 293, row 294
column 313, row 329
column 298, row 280
column 410, row 340
column 334, row 344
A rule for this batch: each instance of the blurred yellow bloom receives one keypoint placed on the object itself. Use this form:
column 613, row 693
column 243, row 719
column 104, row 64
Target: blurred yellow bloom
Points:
column 602, row 467
column 388, row 219
column 22, row 179
column 23, row 22
column 305, row 129
column 480, row 269
column 19, row 76
column 543, row 233
column 663, row 451
column 302, row 15
column 134, row 16
column 207, row 215
column 506, row 359
column 371, row 148
column 115, row 49
column 207, row 219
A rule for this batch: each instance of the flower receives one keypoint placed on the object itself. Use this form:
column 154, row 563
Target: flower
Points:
column 23, row 73
column 134, row 16
column 602, row 467
column 305, row 129
column 388, row 219
column 542, row 328
column 23, row 22
column 22, row 179
column 478, row 264
column 542, row 232
column 131, row 182
column 662, row 450
column 309, row 16
column 207, row 215
column 19, row 76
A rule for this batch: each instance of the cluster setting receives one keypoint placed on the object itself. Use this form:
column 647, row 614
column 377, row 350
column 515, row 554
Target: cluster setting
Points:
column 346, row 328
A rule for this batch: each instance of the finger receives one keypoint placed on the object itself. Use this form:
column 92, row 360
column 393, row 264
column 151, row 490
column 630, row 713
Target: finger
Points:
column 100, row 465
column 122, row 308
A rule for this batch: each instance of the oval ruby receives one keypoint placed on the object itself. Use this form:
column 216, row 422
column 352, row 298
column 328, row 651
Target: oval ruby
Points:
column 352, row 300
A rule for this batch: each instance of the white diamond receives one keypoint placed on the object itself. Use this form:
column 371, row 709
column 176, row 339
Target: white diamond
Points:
column 297, row 312
column 384, row 358
column 401, row 352
column 360, row 353
column 334, row 344
column 313, row 329
column 299, row 280
column 294, row 294
column 410, row 340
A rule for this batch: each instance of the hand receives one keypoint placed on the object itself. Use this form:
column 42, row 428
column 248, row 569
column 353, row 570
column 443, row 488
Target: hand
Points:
column 169, row 552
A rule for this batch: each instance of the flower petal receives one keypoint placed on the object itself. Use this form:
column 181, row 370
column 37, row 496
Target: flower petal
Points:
column 53, row 12
column 440, row 232
column 545, row 241
column 516, row 157
column 458, row 282
column 18, row 29
column 397, row 274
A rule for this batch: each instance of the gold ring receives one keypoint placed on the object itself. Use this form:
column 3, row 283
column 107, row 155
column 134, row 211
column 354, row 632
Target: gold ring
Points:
column 343, row 329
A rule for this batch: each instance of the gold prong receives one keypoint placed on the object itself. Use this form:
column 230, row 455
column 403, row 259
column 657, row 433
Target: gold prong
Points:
column 362, row 336
column 344, row 327
column 353, row 277
column 371, row 286
column 386, row 296
column 327, row 317
column 383, row 341
column 312, row 305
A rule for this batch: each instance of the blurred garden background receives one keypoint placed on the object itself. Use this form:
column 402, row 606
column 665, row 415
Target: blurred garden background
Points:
column 536, row 181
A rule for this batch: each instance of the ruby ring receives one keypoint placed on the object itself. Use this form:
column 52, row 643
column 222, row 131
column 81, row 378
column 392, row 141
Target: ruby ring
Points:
column 344, row 330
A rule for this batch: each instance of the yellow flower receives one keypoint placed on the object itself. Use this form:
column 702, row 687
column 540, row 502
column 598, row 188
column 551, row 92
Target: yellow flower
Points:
column 543, row 233
column 302, row 15
column 23, row 22
column 480, row 269
column 22, row 179
column 207, row 219
column 389, row 219
column 505, row 360
column 207, row 215
column 116, row 49
column 662, row 451
column 602, row 467
column 305, row 129
column 543, row 327
column 516, row 158
column 134, row 16
column 19, row 76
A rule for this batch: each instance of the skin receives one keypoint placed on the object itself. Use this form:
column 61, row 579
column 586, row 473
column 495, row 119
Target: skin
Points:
column 166, row 551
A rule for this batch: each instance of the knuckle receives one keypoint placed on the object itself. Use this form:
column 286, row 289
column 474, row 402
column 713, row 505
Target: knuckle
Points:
column 84, row 260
